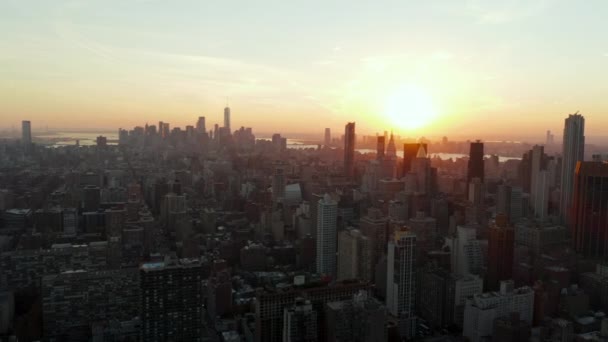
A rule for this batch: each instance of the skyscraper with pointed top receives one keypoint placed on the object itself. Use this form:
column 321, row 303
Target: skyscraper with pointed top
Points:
column 391, row 150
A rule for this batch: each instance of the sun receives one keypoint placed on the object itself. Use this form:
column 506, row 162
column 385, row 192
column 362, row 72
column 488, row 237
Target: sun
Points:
column 410, row 107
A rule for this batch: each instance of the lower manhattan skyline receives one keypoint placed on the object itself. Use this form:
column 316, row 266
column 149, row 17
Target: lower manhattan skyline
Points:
column 422, row 69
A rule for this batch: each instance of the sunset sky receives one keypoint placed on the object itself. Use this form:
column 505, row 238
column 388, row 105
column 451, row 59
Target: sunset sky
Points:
column 478, row 68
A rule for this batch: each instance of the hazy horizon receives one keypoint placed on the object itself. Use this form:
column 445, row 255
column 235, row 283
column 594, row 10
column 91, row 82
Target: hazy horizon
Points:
column 422, row 69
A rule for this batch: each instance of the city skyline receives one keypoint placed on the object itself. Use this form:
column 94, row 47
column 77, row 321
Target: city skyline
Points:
column 421, row 69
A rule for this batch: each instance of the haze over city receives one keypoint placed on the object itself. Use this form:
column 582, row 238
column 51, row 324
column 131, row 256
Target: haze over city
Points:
column 318, row 171
column 422, row 68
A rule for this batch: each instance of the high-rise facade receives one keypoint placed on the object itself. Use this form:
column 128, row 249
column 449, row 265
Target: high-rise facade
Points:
column 375, row 227
column 573, row 151
column 410, row 151
column 391, row 150
column 201, row 127
column 300, row 322
column 227, row 119
column 327, row 137
column 380, row 146
column 327, row 221
column 354, row 256
column 171, row 300
column 26, row 133
column 476, row 164
column 349, row 150
column 501, row 242
column 589, row 220
column 362, row 318
column 400, row 281
column 482, row 309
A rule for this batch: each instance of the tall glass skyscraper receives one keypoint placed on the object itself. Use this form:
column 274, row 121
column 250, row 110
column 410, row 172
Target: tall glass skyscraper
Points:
column 573, row 150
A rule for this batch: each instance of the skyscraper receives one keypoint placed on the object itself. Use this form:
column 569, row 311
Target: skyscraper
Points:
column 327, row 137
column 410, row 151
column 573, row 150
column 201, row 128
column 171, row 300
column 354, row 256
column 500, row 253
column 380, row 147
column 590, row 209
column 26, row 133
column 327, row 247
column 400, row 281
column 227, row 118
column 349, row 150
column 391, row 150
column 476, row 165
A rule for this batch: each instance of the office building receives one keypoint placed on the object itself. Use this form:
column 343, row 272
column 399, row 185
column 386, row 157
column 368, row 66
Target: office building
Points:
column 349, row 150
column 374, row 226
column 227, row 119
column 400, row 281
column 278, row 183
column 380, row 148
column 327, row 217
column 201, row 127
column 354, row 256
column 589, row 220
column 482, row 310
column 410, row 151
column 171, row 300
column 391, row 150
column 26, row 134
column 476, row 164
column 360, row 319
column 73, row 300
column 300, row 322
column 573, row 151
column 501, row 241
column 270, row 305
column 327, row 137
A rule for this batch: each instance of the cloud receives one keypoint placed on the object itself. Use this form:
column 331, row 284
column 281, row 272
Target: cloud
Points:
column 505, row 11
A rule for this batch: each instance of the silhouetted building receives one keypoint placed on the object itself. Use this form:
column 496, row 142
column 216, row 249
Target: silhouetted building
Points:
column 476, row 164
column 201, row 127
column 380, row 148
column 410, row 151
column 327, row 137
column 501, row 241
column 573, row 151
column 590, row 209
column 400, row 281
column 26, row 134
column 349, row 150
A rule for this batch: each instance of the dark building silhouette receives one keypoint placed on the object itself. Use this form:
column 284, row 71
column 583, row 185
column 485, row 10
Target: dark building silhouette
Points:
column 476, row 165
column 349, row 150
column 410, row 151
column 590, row 209
column 380, row 148
column 500, row 253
